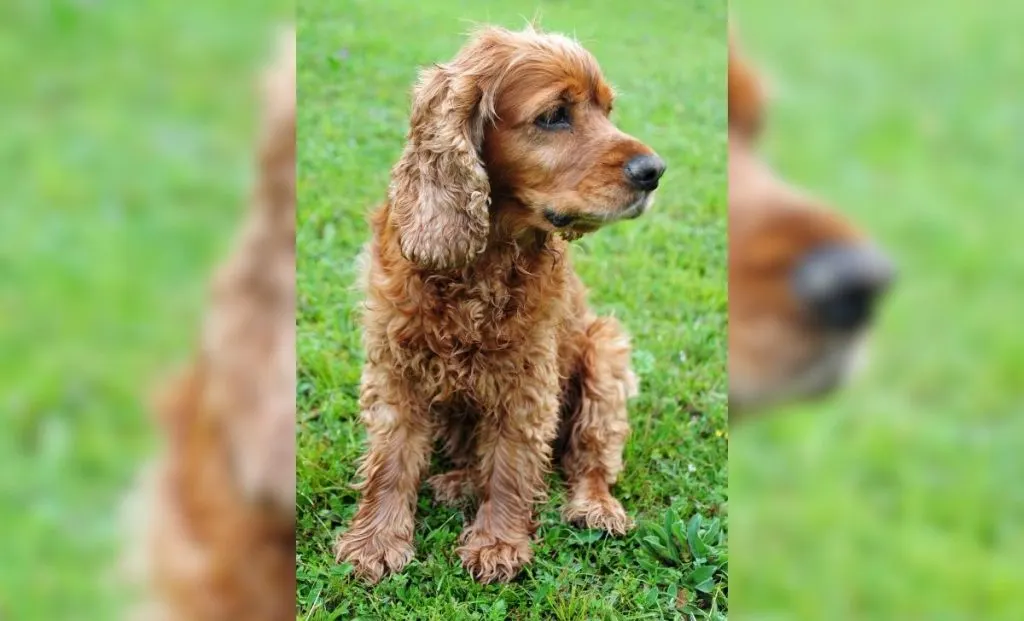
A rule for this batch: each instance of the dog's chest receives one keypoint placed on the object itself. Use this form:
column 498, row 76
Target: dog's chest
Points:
column 479, row 316
column 469, row 332
column 500, row 304
column 480, row 338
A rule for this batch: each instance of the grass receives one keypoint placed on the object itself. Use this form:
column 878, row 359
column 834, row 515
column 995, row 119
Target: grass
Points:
column 900, row 499
column 663, row 276
column 124, row 163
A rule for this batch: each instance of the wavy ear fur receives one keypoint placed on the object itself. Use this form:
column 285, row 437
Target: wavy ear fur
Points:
column 440, row 193
column 746, row 93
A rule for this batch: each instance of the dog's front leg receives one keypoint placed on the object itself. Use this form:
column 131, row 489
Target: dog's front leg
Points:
column 513, row 449
column 400, row 430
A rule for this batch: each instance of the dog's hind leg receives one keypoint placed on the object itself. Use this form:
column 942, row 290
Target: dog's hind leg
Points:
column 595, row 426
column 453, row 487
column 455, row 431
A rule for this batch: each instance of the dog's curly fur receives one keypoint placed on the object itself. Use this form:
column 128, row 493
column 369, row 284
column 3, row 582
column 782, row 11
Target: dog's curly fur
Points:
column 217, row 510
column 477, row 329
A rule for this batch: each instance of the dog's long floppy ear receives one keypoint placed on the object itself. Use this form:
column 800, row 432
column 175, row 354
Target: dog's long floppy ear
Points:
column 746, row 93
column 440, row 192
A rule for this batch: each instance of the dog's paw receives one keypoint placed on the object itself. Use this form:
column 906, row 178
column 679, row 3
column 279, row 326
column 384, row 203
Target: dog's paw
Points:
column 602, row 511
column 489, row 558
column 451, row 488
column 373, row 554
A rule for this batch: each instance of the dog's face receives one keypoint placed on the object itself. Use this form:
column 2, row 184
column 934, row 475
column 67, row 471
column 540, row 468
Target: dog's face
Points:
column 517, row 121
column 552, row 147
column 803, row 281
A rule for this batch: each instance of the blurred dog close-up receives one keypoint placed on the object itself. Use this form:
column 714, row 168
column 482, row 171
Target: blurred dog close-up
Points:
column 803, row 279
column 216, row 511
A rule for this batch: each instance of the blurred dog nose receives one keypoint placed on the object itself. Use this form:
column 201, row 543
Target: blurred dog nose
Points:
column 643, row 172
column 840, row 284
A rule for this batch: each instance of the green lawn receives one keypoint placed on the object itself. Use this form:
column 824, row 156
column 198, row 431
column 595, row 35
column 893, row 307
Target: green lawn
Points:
column 902, row 498
column 664, row 276
column 124, row 166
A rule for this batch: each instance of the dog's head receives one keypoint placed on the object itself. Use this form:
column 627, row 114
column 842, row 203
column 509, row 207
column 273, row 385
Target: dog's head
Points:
column 803, row 280
column 518, row 121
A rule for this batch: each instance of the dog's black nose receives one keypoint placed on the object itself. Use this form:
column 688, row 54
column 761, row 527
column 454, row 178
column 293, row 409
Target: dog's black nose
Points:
column 840, row 284
column 643, row 171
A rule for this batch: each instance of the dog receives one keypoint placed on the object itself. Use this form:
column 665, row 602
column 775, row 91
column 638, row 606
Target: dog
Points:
column 476, row 327
column 217, row 510
column 803, row 280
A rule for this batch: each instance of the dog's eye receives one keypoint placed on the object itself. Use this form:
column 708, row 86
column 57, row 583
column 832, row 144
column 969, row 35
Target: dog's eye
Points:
column 557, row 118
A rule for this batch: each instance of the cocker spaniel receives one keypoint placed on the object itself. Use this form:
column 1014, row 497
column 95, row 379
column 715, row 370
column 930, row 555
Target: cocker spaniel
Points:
column 217, row 510
column 803, row 280
column 477, row 329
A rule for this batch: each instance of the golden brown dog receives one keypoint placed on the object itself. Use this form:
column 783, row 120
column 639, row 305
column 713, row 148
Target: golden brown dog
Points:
column 477, row 330
column 218, row 509
column 803, row 280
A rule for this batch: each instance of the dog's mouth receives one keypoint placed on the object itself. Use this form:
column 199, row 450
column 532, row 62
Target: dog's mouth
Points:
column 825, row 370
column 637, row 207
column 578, row 222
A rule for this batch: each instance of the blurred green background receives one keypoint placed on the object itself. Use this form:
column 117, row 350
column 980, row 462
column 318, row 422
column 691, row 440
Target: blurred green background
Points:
column 124, row 162
column 900, row 498
column 662, row 275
